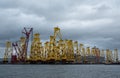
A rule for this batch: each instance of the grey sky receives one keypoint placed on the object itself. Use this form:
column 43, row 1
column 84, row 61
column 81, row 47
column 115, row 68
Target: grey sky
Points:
column 91, row 22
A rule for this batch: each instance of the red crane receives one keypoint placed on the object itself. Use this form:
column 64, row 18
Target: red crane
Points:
column 27, row 32
column 22, row 51
column 15, row 57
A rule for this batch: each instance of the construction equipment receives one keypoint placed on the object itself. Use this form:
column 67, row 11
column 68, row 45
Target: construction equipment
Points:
column 83, row 54
column 102, row 53
column 93, row 52
column 8, row 52
column 15, row 57
column 88, row 51
column 57, row 32
column 88, row 54
column 80, row 49
column 35, row 53
column 46, row 52
column 21, row 46
column 70, row 51
column 56, row 50
column 63, row 51
column 109, row 57
column 51, row 53
column 102, row 56
column 97, row 51
column 27, row 32
column 116, row 56
column 77, row 52
column 53, row 46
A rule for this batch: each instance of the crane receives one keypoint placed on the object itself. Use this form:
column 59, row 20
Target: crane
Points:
column 27, row 32
column 21, row 48
column 15, row 57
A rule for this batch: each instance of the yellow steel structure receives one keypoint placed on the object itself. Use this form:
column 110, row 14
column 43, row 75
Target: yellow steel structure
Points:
column 97, row 52
column 57, row 33
column 116, row 55
column 77, row 52
column 46, row 51
column 54, row 48
column 22, row 49
column 59, row 50
column 84, row 55
column 70, row 51
column 93, row 52
column 41, row 53
column 8, row 51
column 51, row 53
column 109, row 56
column 36, row 49
column 102, row 53
column 81, row 49
column 63, row 50
column 88, row 51
column 57, row 54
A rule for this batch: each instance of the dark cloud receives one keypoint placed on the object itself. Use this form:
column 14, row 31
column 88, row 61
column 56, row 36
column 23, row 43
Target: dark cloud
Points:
column 94, row 23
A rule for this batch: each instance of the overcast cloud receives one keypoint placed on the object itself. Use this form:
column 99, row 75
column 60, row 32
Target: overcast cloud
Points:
column 91, row 22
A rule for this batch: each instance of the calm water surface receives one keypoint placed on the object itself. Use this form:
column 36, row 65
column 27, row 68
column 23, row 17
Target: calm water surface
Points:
column 59, row 71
